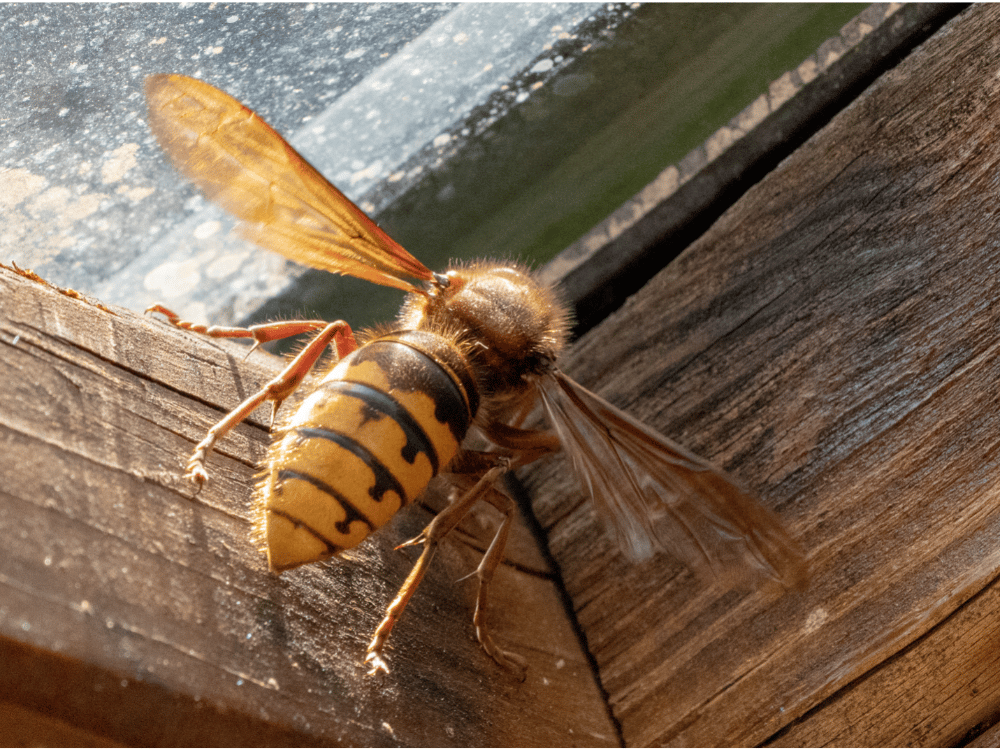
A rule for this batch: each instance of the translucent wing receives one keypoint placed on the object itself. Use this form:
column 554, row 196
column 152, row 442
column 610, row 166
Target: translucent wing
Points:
column 653, row 493
column 285, row 204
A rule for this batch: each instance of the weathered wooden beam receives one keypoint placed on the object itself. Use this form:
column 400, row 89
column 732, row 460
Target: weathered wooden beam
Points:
column 834, row 340
column 598, row 272
column 135, row 609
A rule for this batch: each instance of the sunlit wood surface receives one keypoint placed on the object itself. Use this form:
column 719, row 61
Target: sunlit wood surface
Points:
column 139, row 612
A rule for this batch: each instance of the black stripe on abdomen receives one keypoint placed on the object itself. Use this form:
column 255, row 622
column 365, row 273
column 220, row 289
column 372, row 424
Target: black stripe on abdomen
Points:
column 350, row 512
column 382, row 404
column 384, row 480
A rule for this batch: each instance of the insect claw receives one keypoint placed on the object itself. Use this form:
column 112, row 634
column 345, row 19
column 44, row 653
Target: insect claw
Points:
column 159, row 309
column 467, row 576
column 377, row 662
column 516, row 664
column 196, row 473
column 420, row 538
column 508, row 660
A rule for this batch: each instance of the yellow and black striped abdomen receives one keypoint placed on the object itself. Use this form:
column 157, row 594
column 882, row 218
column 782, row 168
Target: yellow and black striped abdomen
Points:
column 382, row 423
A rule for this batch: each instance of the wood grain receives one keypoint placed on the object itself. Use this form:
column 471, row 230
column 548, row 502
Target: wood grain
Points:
column 138, row 611
column 832, row 340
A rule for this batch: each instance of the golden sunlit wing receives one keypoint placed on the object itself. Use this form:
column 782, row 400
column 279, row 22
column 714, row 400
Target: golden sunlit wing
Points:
column 285, row 204
column 654, row 494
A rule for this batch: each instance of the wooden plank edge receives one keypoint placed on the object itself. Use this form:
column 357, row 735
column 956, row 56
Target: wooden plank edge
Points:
column 616, row 258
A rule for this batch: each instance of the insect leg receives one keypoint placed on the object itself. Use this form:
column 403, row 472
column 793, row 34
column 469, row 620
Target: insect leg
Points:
column 261, row 333
column 436, row 530
column 276, row 391
column 487, row 566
